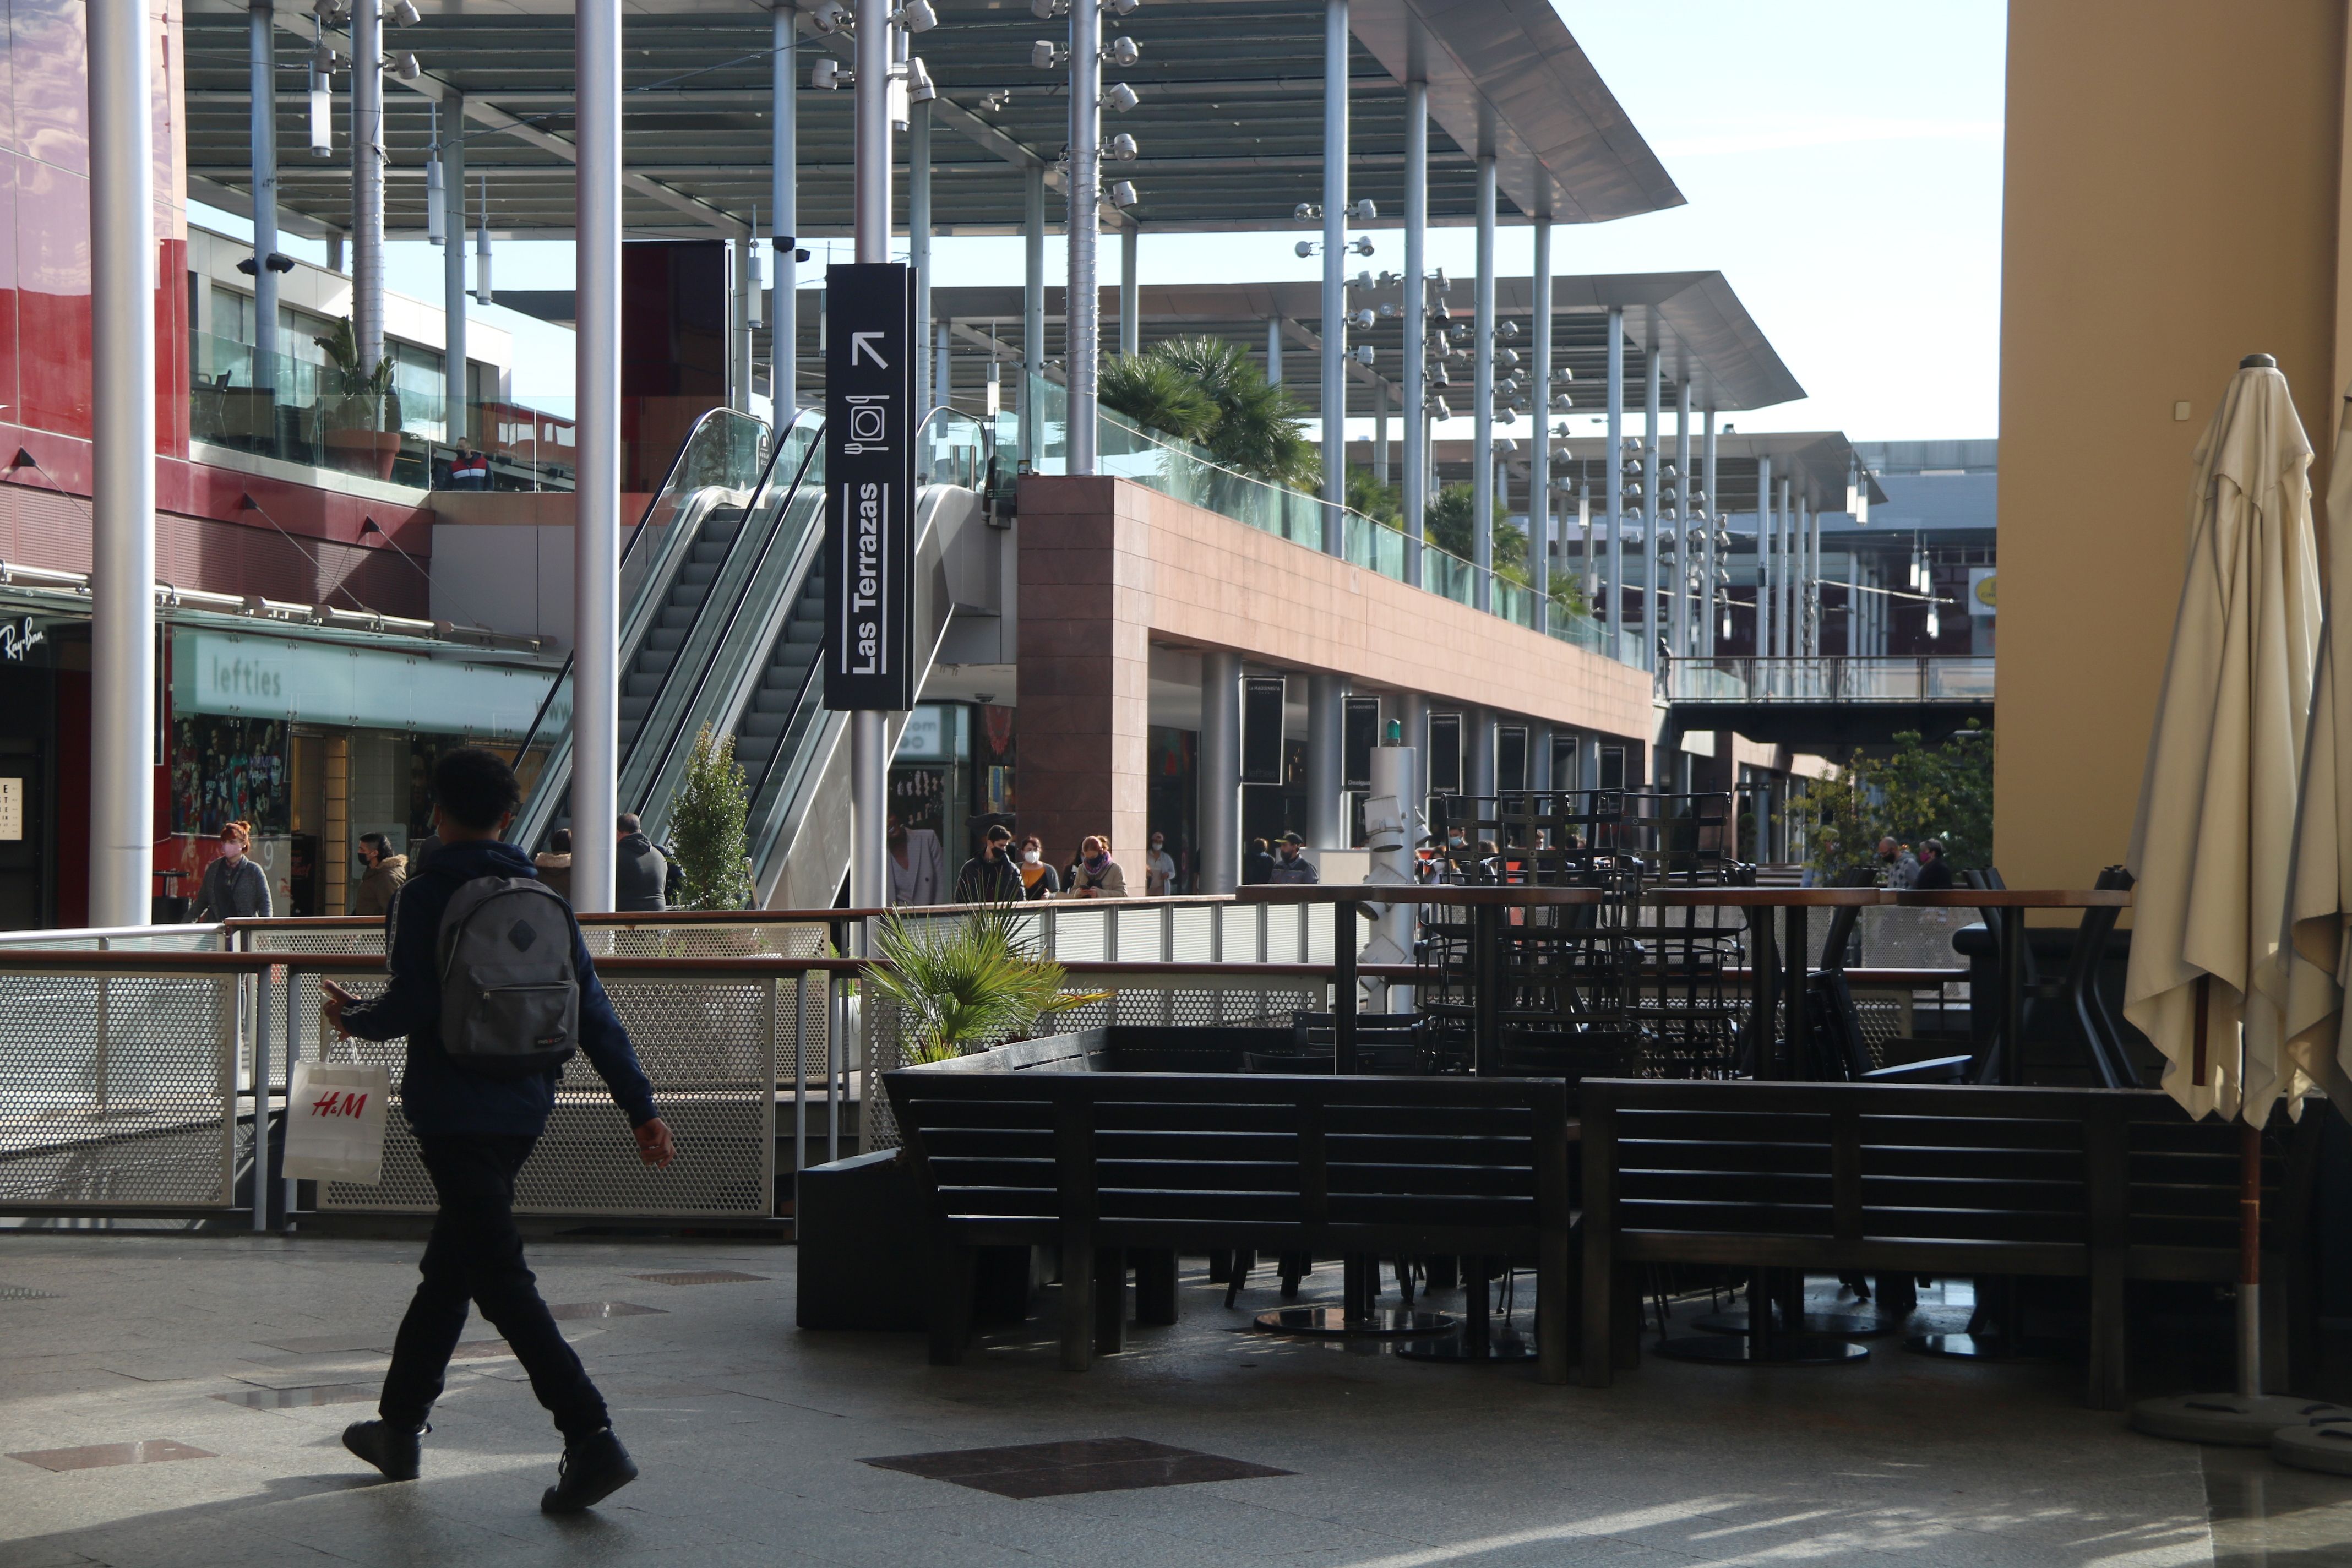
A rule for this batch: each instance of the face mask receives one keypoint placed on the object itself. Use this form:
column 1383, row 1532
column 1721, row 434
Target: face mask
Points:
column 1096, row 862
column 1029, row 857
column 232, row 850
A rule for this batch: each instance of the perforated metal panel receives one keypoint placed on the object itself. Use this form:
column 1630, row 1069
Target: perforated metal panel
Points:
column 709, row 1048
column 118, row 1089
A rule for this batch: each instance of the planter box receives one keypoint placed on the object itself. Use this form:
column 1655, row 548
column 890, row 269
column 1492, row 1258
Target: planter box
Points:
column 866, row 1249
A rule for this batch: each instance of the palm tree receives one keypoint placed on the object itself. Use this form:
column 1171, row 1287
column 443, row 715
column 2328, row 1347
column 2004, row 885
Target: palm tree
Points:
column 1256, row 431
column 360, row 399
column 1158, row 396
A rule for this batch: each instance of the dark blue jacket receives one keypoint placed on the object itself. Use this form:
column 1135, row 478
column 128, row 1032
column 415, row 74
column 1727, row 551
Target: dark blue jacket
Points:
column 440, row 1099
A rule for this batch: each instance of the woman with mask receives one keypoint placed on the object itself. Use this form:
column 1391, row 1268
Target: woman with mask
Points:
column 1038, row 881
column 1097, row 875
column 234, row 888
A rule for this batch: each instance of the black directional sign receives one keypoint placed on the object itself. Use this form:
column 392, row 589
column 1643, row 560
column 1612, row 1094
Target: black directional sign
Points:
column 869, row 473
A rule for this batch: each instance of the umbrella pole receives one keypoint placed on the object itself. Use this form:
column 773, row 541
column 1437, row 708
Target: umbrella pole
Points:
column 2250, row 1260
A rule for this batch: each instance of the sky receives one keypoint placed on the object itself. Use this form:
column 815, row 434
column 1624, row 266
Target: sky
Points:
column 1841, row 163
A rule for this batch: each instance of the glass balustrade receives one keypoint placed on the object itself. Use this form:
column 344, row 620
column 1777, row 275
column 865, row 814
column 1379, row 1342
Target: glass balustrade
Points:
column 1832, row 679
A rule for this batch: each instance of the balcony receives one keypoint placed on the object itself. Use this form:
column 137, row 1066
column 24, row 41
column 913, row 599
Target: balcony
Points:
column 1828, row 700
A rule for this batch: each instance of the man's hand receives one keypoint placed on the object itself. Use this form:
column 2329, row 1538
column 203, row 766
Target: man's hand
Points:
column 336, row 1000
column 655, row 1147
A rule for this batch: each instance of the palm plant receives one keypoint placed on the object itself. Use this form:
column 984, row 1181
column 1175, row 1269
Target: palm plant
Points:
column 1158, row 396
column 965, row 984
column 1257, row 428
column 356, row 399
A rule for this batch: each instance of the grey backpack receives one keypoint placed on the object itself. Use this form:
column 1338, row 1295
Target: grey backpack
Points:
column 510, row 996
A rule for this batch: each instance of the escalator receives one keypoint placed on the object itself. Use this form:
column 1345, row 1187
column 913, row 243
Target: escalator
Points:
column 720, row 627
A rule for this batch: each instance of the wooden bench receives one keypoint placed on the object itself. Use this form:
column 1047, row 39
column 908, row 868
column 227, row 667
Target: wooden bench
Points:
column 2109, row 1185
column 1099, row 1163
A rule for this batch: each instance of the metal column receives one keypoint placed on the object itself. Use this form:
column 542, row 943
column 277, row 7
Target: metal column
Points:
column 1679, row 618
column 1480, row 742
column 785, row 221
column 1482, row 416
column 738, row 324
column 1783, row 583
column 1326, row 707
column 1651, row 369
column 1221, row 770
column 262, row 50
column 367, row 181
column 1613, row 483
column 454, row 388
column 1763, row 638
column 868, row 748
column 596, row 560
column 1082, row 303
column 1813, row 581
column 1130, row 291
column 1710, row 602
column 918, row 248
column 1416, row 324
column 122, row 467
column 1380, row 431
column 1274, row 351
column 1539, row 461
column 1412, row 719
column 1033, row 312
column 1333, row 395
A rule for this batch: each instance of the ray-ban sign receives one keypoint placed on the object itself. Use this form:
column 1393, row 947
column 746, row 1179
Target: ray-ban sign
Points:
column 869, row 473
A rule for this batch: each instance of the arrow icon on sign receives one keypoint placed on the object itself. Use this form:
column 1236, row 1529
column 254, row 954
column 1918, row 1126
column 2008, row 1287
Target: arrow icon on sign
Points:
column 863, row 344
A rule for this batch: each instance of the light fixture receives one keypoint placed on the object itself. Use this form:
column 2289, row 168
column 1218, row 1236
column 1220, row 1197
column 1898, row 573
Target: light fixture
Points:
column 1438, row 277
column 1390, row 309
column 1361, row 280
column 1121, row 148
column 482, row 249
column 1507, row 330
column 1121, row 7
column 1044, row 56
column 1364, row 210
column 1505, row 416
column 403, row 14
column 1561, row 402
column 1122, row 194
column 1302, row 249
column 755, row 312
column 916, row 16
column 1045, row 10
column 1365, row 355
column 322, row 102
column 1360, row 320
column 404, row 67
column 994, row 100
column 831, row 17
column 1122, row 51
column 827, row 75
column 434, row 192
column 1508, row 358
column 1361, row 245
column 1307, row 212
column 1121, row 97
column 1506, row 445
column 918, row 82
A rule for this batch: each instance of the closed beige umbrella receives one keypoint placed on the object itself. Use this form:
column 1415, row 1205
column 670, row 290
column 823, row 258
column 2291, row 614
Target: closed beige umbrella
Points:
column 2213, row 839
column 2214, row 844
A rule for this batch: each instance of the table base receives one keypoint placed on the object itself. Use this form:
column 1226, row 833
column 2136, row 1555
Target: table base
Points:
column 1337, row 1323
column 2233, row 1420
column 1785, row 1350
column 2320, row 1444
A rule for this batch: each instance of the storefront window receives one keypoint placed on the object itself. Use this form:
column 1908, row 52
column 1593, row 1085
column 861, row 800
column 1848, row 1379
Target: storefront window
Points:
column 228, row 770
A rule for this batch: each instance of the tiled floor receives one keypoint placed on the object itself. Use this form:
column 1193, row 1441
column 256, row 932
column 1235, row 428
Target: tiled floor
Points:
column 756, row 1440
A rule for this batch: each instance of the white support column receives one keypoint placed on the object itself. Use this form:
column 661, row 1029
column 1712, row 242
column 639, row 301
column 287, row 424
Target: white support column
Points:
column 1220, row 772
column 942, row 365
column 455, row 389
column 1783, row 612
column 367, row 181
column 738, row 324
column 1333, row 394
column 122, row 467
column 1274, row 351
column 261, row 40
column 918, row 248
column 1763, row 640
column 1130, row 291
column 1412, row 719
column 1416, row 324
column 869, row 761
column 1082, row 302
column 596, row 560
column 1539, row 460
column 784, row 218
column 1033, row 311
column 1679, row 636
column 1813, row 580
column 1710, row 599
column 1482, row 416
column 1652, row 392
column 1613, row 483
column 1326, row 719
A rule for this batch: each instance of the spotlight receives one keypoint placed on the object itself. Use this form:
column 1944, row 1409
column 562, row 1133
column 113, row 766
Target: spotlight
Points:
column 403, row 14
column 1508, row 358
column 1364, row 211
column 827, row 75
column 1362, row 320
column 1044, row 56
column 831, row 17
column 1507, row 330
column 1122, row 147
column 1121, row 7
column 1561, row 402
column 1045, row 10
column 1122, row 194
column 1365, row 355
column 1363, row 244
column 1307, row 212
column 405, row 67
column 1122, row 51
column 1121, row 97
column 1303, row 249
column 918, row 82
column 916, row 16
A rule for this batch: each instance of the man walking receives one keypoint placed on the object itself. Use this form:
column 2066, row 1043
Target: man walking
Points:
column 382, row 873
column 1292, row 864
column 474, row 1130
column 640, row 870
column 990, row 876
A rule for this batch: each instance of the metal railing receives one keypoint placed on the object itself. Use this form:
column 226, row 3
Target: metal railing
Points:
column 1830, row 680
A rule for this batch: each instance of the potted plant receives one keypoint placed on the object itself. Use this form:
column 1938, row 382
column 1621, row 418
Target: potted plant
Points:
column 965, row 984
column 359, row 411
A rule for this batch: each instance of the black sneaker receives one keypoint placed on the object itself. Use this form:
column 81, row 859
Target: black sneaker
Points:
column 591, row 1470
column 393, row 1451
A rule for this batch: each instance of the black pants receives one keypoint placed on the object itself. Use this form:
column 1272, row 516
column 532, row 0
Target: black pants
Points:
column 476, row 1254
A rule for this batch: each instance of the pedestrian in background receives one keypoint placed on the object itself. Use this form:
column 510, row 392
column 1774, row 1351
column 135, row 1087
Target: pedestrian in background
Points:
column 384, row 873
column 1257, row 866
column 234, row 886
column 988, row 877
column 1159, row 869
column 554, row 863
column 1038, row 881
column 640, row 871
column 1097, row 875
column 1292, row 864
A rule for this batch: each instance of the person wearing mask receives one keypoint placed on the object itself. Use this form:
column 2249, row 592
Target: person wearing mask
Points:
column 474, row 1132
column 1159, row 868
column 1257, row 866
column 1097, row 875
column 554, row 863
column 1291, row 865
column 234, row 888
column 1898, row 865
column 384, row 873
column 640, row 871
column 1038, row 881
column 918, row 866
column 988, row 878
column 1935, row 871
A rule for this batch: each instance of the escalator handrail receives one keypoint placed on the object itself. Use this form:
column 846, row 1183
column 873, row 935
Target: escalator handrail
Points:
column 523, row 746
column 734, row 616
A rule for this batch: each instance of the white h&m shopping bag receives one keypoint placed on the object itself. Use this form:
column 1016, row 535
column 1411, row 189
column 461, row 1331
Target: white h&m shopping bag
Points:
column 334, row 1121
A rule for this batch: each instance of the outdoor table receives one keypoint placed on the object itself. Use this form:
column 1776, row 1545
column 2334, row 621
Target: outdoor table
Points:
column 1771, row 954
column 2006, row 1062
column 1485, row 901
